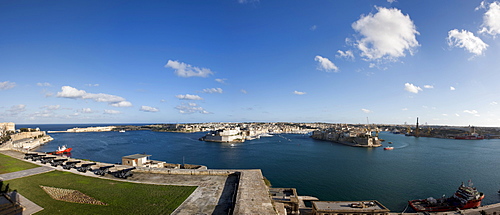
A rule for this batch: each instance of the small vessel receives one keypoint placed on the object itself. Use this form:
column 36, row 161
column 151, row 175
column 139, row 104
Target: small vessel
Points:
column 390, row 142
column 388, row 148
column 464, row 198
column 122, row 131
column 265, row 135
column 473, row 136
column 61, row 150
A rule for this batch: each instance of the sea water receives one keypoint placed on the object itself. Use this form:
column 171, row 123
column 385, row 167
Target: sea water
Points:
column 416, row 168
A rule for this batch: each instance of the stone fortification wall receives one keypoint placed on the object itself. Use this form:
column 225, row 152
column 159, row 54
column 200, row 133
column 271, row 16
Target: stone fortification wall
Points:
column 25, row 135
column 7, row 126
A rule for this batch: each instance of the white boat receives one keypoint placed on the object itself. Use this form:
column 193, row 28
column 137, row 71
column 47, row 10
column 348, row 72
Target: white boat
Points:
column 122, row 131
column 265, row 135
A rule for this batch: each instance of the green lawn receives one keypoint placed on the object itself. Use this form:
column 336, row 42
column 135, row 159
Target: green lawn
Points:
column 9, row 164
column 121, row 197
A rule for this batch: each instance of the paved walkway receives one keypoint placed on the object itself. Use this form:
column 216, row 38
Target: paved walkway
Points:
column 24, row 173
column 29, row 206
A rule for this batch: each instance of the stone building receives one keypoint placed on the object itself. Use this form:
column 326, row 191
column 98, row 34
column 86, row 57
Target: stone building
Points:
column 141, row 160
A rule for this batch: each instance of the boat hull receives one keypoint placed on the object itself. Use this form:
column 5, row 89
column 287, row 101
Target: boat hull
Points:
column 422, row 205
column 66, row 151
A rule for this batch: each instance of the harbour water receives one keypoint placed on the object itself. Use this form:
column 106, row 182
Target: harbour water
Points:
column 416, row 168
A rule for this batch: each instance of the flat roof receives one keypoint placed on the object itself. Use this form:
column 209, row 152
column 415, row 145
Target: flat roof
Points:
column 371, row 205
column 136, row 156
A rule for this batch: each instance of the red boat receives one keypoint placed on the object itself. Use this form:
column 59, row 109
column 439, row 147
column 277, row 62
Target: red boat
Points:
column 470, row 137
column 466, row 197
column 61, row 150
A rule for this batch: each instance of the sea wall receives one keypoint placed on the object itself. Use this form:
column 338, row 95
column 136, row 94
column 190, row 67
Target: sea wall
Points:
column 26, row 135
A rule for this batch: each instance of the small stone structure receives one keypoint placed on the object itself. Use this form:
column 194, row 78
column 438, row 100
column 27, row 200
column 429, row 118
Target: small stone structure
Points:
column 141, row 160
column 372, row 207
column 288, row 197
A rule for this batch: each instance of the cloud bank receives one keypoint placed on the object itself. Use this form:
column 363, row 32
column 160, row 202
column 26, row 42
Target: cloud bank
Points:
column 186, row 70
column 189, row 97
column 7, row 85
column 73, row 93
column 212, row 90
column 190, row 108
column 148, row 109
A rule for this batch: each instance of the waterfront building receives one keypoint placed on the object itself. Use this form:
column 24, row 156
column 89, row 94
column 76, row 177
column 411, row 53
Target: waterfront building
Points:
column 225, row 135
column 141, row 160
column 372, row 207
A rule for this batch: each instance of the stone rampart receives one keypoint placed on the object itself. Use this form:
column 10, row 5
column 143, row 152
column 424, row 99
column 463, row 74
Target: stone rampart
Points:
column 26, row 135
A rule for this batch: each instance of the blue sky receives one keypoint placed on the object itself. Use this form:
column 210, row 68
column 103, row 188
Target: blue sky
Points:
column 250, row 60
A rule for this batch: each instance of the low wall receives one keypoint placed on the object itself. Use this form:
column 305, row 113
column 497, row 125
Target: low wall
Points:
column 185, row 171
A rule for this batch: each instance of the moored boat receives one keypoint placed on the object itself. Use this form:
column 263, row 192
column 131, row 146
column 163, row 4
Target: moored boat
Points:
column 464, row 198
column 470, row 137
column 61, row 150
column 388, row 148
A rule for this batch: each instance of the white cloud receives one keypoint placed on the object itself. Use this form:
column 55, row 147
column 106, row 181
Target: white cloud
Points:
column 86, row 110
column 148, row 109
column 247, row 1
column 45, row 84
column 190, row 108
column 404, row 109
column 347, row 54
column 466, row 39
column 212, row 90
column 428, row 86
column 243, row 91
column 493, row 103
column 186, row 70
column 298, row 92
column 52, row 107
column 221, row 80
column 73, row 93
column 391, row 1
column 452, row 88
column 473, row 112
column 313, row 28
column 412, row 88
column 325, row 64
column 491, row 19
column 7, row 85
column 388, row 34
column 189, row 97
column 111, row 112
column 17, row 109
column 121, row 104
column 92, row 85
column 366, row 110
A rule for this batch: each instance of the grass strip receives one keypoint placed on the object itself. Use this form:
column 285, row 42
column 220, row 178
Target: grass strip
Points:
column 9, row 164
column 121, row 197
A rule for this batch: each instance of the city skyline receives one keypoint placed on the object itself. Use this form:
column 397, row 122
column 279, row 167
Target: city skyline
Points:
column 385, row 61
